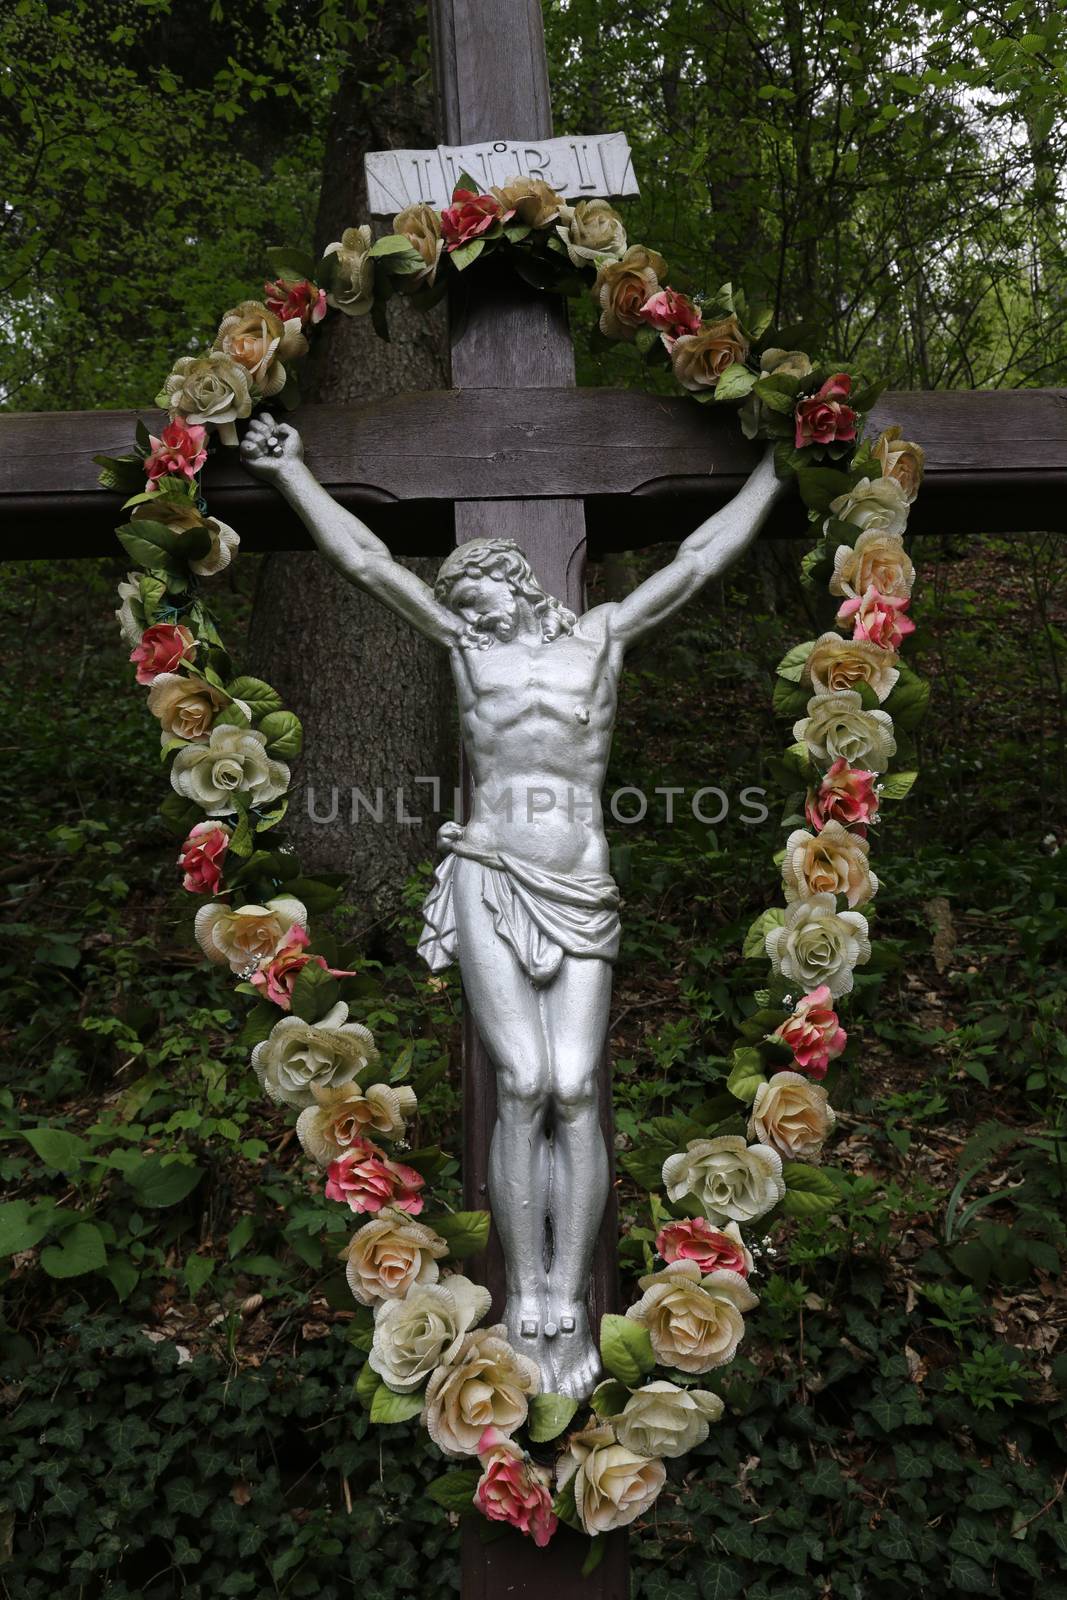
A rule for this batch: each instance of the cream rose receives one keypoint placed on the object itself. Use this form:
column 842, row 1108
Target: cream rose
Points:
column 838, row 728
column 732, row 1180
column 247, row 936
column 234, row 761
column 700, row 359
column 297, row 1056
column 590, row 229
column 353, row 278
column 877, row 561
column 791, row 363
column 129, row 619
column 345, row 1112
column 835, row 861
column 876, row 505
column 421, row 226
column 694, row 1323
column 186, row 707
column 836, row 664
column 623, row 286
column 387, row 1257
column 532, row 200
column 818, row 944
column 792, row 1115
column 177, row 511
column 262, row 343
column 210, row 390
column 426, row 1329
column 900, row 459
column 663, row 1420
column 612, row 1485
column 484, row 1384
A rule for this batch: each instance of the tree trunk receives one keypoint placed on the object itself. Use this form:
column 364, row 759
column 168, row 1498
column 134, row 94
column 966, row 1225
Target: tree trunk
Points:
column 374, row 697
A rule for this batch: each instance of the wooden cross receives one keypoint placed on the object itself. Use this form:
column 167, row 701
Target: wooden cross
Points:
column 625, row 467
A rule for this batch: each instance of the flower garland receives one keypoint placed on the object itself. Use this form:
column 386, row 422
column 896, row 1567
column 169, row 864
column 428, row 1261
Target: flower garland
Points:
column 229, row 740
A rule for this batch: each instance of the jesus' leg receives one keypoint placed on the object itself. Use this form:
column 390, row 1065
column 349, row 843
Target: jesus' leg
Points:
column 575, row 1008
column 505, row 1008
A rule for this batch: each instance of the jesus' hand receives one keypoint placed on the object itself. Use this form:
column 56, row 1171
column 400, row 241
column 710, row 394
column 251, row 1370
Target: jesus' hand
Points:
column 269, row 449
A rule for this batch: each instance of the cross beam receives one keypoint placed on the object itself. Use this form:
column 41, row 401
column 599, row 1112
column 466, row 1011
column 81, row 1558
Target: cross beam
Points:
column 646, row 466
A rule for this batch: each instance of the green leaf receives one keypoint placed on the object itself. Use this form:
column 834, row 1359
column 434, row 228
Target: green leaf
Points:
column 908, row 700
column 157, row 1186
column 645, row 1165
column 735, row 382
column 80, row 1250
column 455, row 1490
column 388, row 1406
column 809, row 1190
column 259, row 1022
column 466, row 1232
column 609, row 1398
column 625, row 1349
column 594, row 1556
column 791, row 666
column 122, row 1275
column 314, row 993
column 121, row 474
column 755, row 945
column 789, row 699
column 819, row 485
column 895, row 785
column 284, row 734
column 549, row 1415
column 197, row 1271
column 22, row 1226
column 259, row 697
column 291, row 264
column 466, row 254
column 367, row 1385
column 179, row 814
column 746, row 1074
column 399, row 253
column 58, row 1149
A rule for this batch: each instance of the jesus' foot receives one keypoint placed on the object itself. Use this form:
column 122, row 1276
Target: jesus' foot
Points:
column 524, row 1316
column 573, row 1352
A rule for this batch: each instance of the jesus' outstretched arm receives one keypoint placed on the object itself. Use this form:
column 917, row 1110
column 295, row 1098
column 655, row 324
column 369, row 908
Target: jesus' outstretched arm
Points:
column 273, row 451
column 714, row 546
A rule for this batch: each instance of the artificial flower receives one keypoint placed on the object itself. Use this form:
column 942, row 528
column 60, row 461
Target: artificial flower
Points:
column 833, row 861
column 733, row 1181
column 421, row 226
column 792, row 1115
column 352, row 290
column 874, row 505
column 838, row 727
column 533, row 201
column 243, row 937
column 470, row 216
column 877, row 560
column 343, row 1113
column 900, row 459
column 512, row 1489
column 696, row 1239
column 210, row 391
column 812, row 1032
column 836, row 664
column 297, row 1056
column 298, row 301
column 233, row 762
column 483, row 1384
column 845, row 795
column 591, row 229
column 162, row 648
column 663, row 1420
column 694, row 1323
column 700, row 359
column 202, row 855
column 186, row 706
column 612, row 1485
column 390, row 1255
column 365, row 1179
column 262, row 343
column 179, row 452
column 623, row 287
column 671, row 314
column 819, row 945
column 877, row 617
column 277, row 977
column 424, row 1330
column 824, row 418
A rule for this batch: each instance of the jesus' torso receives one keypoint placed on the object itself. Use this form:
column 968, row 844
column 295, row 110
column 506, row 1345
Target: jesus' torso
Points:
column 536, row 718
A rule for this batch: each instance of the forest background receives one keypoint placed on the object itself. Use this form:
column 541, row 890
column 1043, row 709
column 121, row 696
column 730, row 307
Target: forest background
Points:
column 177, row 1379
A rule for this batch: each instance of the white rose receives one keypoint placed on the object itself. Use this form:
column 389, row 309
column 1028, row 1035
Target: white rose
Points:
column 234, row 761
column 838, row 728
column 353, row 281
column 874, row 504
column 224, row 546
column 818, row 944
column 693, row 1323
column 792, row 1115
column 733, row 1181
column 589, row 229
column 612, row 1485
column 832, row 862
column 414, row 1335
column 299, row 1056
column 247, row 936
column 211, row 391
column 663, row 1420
column 484, row 1384
column 130, row 621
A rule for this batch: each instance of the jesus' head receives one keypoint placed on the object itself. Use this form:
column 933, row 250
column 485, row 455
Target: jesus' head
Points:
column 489, row 583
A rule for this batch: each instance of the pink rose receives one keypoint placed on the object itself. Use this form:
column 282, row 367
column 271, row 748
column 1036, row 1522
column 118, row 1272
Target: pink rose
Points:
column 469, row 216
column 366, row 1180
column 290, row 300
column 878, row 617
column 512, row 1490
column 813, row 1033
column 821, row 418
column 846, row 795
column 694, row 1239
column 163, row 648
column 280, row 974
column 672, row 314
column 180, row 452
column 201, row 857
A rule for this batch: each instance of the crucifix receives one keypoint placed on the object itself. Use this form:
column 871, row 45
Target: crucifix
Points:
column 596, row 459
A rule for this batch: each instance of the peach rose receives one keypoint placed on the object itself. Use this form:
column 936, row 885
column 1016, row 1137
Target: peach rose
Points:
column 484, row 1384
column 277, row 977
column 531, row 199
column 623, row 287
column 162, row 648
column 846, row 795
column 823, row 418
column 261, row 343
column 700, row 359
column 839, row 727
column 186, row 707
column 201, row 857
column 345, row 1112
column 695, row 1323
column 877, row 617
column 247, row 936
column 389, row 1255
column 879, row 561
column 365, row 1179
column 613, row 1486
column 695, row 1239
column 792, row 1115
column 813, row 1033
column 421, row 227
column 836, row 664
column 832, row 861
column 512, row 1489
column 900, row 459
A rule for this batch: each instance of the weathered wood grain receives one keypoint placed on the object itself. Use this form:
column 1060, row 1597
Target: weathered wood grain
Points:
column 648, row 467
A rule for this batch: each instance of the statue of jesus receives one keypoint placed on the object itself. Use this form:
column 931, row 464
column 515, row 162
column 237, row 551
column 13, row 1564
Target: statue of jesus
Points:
column 524, row 898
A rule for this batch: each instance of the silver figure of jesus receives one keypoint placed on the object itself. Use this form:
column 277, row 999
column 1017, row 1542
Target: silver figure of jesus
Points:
column 524, row 898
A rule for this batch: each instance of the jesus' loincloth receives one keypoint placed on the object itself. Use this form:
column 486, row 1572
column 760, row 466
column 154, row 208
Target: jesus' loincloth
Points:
column 543, row 916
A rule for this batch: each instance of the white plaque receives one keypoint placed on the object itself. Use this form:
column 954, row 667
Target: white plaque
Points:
column 588, row 165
